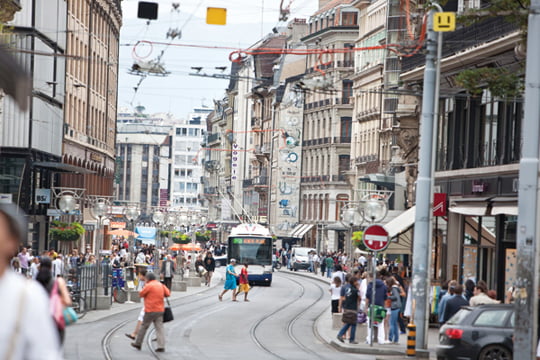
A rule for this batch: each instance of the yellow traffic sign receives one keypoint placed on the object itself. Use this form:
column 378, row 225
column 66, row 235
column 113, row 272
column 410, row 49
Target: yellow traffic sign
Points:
column 216, row 16
column 444, row 21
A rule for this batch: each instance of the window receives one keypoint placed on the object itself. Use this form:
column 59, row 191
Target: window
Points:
column 492, row 318
column 349, row 18
column 346, row 127
column 347, row 91
column 193, row 132
column 181, row 131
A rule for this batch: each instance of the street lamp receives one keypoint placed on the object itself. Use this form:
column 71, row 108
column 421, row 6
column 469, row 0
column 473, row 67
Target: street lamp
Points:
column 99, row 210
column 374, row 209
column 67, row 203
column 132, row 213
column 158, row 217
column 351, row 217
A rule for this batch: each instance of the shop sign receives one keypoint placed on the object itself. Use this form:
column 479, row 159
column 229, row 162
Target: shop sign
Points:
column 439, row 204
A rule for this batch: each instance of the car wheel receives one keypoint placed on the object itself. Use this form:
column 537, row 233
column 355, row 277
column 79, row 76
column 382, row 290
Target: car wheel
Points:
column 495, row 352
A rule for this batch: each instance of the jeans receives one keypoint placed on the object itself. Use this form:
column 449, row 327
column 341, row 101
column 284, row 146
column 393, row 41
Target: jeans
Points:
column 394, row 328
column 344, row 330
column 329, row 272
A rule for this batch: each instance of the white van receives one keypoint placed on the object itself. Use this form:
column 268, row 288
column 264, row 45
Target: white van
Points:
column 300, row 258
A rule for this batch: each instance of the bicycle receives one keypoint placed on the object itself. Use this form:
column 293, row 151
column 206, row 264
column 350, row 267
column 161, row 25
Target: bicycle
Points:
column 78, row 302
column 118, row 292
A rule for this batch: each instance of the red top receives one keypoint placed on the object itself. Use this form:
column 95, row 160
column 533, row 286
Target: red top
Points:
column 243, row 276
column 154, row 293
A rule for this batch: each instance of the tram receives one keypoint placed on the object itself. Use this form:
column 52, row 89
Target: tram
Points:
column 252, row 244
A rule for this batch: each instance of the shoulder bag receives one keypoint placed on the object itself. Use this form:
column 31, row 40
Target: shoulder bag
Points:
column 56, row 307
column 349, row 316
column 167, row 314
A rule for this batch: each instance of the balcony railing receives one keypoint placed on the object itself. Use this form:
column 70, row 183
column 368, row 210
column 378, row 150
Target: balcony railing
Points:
column 260, row 180
column 247, row 183
column 342, row 140
column 488, row 29
column 212, row 137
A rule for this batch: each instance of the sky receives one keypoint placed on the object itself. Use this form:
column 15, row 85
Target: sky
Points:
column 178, row 93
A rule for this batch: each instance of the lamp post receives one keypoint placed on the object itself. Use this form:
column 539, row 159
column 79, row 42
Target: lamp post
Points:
column 351, row 217
column 132, row 213
column 158, row 217
column 99, row 210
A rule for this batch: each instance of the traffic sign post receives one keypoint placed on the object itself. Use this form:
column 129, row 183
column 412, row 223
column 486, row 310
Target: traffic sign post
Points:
column 375, row 239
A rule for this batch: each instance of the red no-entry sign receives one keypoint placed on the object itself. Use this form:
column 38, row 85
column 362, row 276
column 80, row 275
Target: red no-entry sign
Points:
column 376, row 238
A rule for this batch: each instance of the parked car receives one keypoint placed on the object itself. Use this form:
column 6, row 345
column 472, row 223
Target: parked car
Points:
column 480, row 333
column 300, row 258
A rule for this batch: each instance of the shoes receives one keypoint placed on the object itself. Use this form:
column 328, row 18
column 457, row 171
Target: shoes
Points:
column 130, row 336
column 402, row 332
column 138, row 347
column 353, row 342
column 160, row 350
column 154, row 339
column 246, row 300
column 368, row 342
column 340, row 338
column 386, row 343
column 220, row 297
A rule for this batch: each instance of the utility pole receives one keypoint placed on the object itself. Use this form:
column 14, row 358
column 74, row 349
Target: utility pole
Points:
column 422, row 227
column 526, row 284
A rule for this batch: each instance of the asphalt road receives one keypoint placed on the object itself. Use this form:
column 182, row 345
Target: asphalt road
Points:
column 277, row 323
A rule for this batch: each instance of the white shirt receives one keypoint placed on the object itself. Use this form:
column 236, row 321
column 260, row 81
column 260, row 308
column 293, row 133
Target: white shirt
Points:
column 335, row 292
column 34, row 269
column 362, row 260
column 38, row 337
column 58, row 267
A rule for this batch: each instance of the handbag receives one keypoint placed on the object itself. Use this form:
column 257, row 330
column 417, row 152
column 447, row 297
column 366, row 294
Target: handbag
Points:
column 56, row 307
column 349, row 316
column 167, row 314
column 70, row 316
column 377, row 313
column 361, row 317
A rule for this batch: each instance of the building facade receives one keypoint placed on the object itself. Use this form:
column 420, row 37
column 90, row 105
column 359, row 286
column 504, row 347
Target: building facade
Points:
column 31, row 140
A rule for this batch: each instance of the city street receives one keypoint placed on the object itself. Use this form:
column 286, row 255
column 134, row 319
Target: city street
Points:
column 278, row 323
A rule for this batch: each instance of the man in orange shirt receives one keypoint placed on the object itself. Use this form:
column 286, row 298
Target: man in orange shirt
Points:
column 154, row 294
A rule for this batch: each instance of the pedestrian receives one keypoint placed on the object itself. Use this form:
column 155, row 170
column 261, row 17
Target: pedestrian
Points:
column 454, row 303
column 34, row 268
column 339, row 272
column 199, row 266
column 335, row 294
column 395, row 307
column 243, row 280
column 24, row 260
column 380, row 297
column 142, row 278
column 168, row 268
column 316, row 263
column 480, row 295
column 442, row 303
column 47, row 280
column 230, row 281
column 348, row 305
column 210, row 265
column 329, row 266
column 469, row 289
column 57, row 266
column 323, row 264
column 154, row 294
column 16, row 266
column 27, row 330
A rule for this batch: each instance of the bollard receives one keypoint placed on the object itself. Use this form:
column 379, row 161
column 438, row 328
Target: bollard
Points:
column 411, row 341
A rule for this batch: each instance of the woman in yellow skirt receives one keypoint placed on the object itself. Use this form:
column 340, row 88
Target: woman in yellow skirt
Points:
column 243, row 282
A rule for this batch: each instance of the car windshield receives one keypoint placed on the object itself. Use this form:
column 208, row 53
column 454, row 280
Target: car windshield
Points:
column 459, row 316
column 301, row 252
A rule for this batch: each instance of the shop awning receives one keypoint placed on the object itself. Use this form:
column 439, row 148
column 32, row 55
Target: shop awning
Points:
column 401, row 244
column 300, row 230
column 487, row 238
column 401, row 223
column 380, row 180
column 504, row 206
column 337, row 226
column 476, row 207
column 295, row 229
column 61, row 167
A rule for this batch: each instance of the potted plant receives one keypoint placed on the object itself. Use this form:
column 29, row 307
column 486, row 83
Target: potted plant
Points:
column 61, row 231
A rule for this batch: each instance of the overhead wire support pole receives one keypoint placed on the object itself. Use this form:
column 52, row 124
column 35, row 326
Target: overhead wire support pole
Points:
column 526, row 284
column 422, row 231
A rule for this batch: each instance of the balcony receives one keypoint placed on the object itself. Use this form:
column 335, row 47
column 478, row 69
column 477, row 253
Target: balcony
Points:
column 342, row 140
column 345, row 63
column 260, row 180
column 465, row 38
column 343, row 101
column 212, row 138
column 247, row 183
column 210, row 190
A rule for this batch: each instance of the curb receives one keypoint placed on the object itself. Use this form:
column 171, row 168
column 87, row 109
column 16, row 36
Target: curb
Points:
column 343, row 347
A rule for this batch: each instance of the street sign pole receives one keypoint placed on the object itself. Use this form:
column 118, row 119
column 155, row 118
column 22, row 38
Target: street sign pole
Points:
column 526, row 284
column 422, row 231
column 375, row 239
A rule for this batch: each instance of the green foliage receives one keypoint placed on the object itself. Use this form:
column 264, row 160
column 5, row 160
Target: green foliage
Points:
column 203, row 236
column 499, row 81
column 357, row 238
column 514, row 11
column 62, row 231
column 177, row 237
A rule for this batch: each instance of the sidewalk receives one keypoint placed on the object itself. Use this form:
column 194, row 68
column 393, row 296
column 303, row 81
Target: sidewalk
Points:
column 328, row 334
column 116, row 308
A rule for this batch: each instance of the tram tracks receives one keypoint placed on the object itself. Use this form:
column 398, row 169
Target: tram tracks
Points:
column 290, row 323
